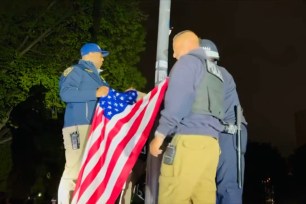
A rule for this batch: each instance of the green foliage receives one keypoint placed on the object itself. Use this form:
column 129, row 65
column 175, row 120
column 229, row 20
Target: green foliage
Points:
column 38, row 44
column 41, row 40
column 125, row 40
column 122, row 34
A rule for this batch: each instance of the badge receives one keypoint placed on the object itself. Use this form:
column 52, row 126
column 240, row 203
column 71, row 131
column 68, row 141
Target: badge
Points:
column 67, row 71
column 88, row 70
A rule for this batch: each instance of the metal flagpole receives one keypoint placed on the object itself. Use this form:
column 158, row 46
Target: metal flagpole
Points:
column 161, row 65
column 161, row 72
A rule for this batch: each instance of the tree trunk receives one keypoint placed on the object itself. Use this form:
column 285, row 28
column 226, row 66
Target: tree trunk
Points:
column 96, row 19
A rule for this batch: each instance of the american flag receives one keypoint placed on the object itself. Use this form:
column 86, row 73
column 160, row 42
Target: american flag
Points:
column 119, row 130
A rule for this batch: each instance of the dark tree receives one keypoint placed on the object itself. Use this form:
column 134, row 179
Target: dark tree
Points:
column 265, row 173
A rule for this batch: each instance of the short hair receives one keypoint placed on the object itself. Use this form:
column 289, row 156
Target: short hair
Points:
column 187, row 31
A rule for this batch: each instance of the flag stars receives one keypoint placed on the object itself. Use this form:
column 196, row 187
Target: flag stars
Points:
column 116, row 102
column 86, row 188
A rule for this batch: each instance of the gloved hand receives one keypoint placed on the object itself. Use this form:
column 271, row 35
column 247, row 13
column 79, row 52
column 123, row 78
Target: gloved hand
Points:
column 231, row 129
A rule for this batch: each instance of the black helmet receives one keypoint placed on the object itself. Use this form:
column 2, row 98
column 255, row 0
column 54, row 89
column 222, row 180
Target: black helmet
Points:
column 210, row 49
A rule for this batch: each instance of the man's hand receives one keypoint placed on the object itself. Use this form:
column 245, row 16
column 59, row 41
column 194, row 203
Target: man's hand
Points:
column 231, row 129
column 102, row 91
column 156, row 144
column 140, row 95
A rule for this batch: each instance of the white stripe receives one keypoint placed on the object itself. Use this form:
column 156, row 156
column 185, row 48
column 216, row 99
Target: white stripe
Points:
column 129, row 148
column 101, row 174
column 212, row 54
column 113, row 145
column 92, row 162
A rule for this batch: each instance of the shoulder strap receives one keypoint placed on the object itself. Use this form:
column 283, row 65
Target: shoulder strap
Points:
column 91, row 73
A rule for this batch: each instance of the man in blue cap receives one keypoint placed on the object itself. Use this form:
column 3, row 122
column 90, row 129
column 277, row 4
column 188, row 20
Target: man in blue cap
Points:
column 228, row 189
column 80, row 86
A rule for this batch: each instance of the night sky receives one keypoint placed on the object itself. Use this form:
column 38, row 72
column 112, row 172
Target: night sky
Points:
column 261, row 43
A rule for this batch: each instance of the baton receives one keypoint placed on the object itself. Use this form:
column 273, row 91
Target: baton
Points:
column 239, row 162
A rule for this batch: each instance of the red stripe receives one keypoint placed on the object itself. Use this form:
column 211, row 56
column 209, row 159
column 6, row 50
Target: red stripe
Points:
column 96, row 120
column 92, row 175
column 121, row 146
column 137, row 148
column 93, row 149
column 116, row 154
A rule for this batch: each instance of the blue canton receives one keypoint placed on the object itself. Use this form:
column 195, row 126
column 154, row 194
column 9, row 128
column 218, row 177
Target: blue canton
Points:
column 115, row 102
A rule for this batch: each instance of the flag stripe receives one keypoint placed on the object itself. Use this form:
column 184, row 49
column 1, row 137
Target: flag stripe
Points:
column 95, row 171
column 118, row 159
column 111, row 132
column 92, row 171
column 97, row 125
column 123, row 137
column 113, row 147
column 90, row 159
column 132, row 157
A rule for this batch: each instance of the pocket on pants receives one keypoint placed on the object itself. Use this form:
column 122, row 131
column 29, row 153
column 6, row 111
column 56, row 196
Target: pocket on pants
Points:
column 193, row 145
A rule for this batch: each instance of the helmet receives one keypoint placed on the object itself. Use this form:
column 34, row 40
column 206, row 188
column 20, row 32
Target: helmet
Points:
column 210, row 49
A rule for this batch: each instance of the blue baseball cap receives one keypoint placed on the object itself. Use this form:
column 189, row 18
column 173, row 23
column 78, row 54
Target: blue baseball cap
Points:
column 92, row 47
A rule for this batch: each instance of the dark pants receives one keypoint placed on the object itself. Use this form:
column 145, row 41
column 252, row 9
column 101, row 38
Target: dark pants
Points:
column 228, row 191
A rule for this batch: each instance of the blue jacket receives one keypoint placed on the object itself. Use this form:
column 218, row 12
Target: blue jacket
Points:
column 231, row 98
column 78, row 85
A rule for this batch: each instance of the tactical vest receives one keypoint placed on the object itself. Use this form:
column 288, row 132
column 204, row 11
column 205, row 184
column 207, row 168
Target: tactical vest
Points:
column 210, row 92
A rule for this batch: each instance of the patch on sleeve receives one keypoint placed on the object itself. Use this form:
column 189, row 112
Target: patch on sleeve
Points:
column 88, row 70
column 67, row 71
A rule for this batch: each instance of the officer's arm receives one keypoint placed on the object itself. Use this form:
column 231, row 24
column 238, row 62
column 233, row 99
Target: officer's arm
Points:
column 179, row 96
